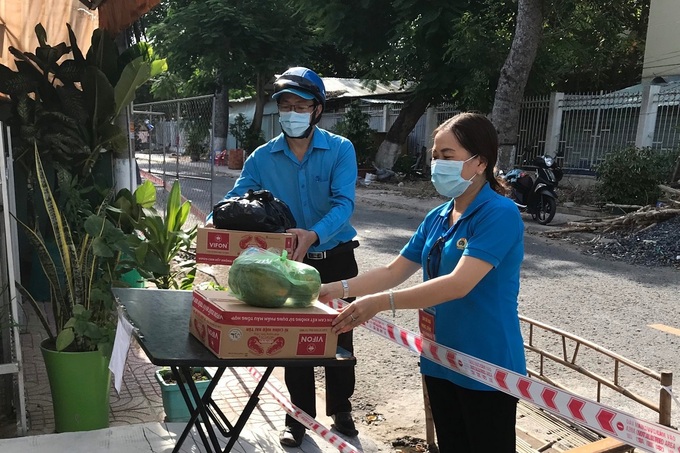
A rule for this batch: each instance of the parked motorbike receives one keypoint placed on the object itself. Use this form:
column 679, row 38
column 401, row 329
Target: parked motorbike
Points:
column 536, row 194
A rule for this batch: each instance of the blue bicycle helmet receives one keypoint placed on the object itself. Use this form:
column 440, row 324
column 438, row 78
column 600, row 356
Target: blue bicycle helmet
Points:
column 302, row 82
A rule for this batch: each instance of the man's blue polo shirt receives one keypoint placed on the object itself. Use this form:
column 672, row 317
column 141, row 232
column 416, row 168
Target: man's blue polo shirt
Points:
column 485, row 323
column 319, row 190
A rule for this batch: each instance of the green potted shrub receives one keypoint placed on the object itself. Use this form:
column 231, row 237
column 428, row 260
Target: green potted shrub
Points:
column 69, row 104
column 354, row 126
column 247, row 139
column 196, row 132
column 173, row 402
column 163, row 240
column 63, row 112
column 80, row 335
column 163, row 235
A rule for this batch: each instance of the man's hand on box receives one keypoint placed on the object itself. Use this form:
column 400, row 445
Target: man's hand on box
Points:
column 305, row 239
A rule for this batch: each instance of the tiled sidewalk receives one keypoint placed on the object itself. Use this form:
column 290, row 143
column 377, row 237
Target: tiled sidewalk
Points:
column 140, row 398
column 138, row 402
column 137, row 412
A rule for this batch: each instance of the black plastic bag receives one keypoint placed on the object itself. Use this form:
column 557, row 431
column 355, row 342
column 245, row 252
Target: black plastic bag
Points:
column 255, row 211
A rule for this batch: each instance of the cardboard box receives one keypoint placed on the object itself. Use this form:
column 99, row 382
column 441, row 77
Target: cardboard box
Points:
column 233, row 329
column 215, row 246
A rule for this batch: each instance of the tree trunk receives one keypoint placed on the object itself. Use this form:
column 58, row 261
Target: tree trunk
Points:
column 513, row 78
column 221, row 120
column 260, row 101
column 390, row 148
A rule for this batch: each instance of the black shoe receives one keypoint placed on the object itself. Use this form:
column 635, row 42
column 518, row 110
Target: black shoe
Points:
column 344, row 424
column 292, row 436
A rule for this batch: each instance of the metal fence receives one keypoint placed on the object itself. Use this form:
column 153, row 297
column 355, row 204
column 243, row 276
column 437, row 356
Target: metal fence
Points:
column 533, row 120
column 592, row 126
column 173, row 138
column 588, row 126
column 667, row 130
column 173, row 141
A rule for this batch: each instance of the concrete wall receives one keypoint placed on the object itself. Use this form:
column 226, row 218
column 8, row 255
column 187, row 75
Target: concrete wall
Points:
column 662, row 50
column 18, row 19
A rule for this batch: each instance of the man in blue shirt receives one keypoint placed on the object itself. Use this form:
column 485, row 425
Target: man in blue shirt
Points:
column 314, row 172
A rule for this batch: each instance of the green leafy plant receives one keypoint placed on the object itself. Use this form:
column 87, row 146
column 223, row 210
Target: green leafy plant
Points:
column 163, row 235
column 239, row 129
column 80, row 275
column 246, row 137
column 68, row 106
column 196, row 131
column 632, row 175
column 253, row 140
column 354, row 125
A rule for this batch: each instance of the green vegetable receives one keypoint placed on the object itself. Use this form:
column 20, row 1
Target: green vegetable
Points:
column 305, row 285
column 264, row 279
column 258, row 285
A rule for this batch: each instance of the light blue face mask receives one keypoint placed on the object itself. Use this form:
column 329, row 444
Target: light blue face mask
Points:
column 294, row 124
column 447, row 178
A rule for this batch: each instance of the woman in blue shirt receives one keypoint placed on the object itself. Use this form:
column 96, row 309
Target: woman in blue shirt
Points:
column 470, row 250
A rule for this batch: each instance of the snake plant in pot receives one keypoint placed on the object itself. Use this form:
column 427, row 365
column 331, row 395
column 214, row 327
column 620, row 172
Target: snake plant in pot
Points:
column 69, row 103
column 80, row 316
column 65, row 122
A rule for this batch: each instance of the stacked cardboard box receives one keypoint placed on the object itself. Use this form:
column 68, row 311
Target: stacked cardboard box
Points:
column 231, row 328
column 215, row 246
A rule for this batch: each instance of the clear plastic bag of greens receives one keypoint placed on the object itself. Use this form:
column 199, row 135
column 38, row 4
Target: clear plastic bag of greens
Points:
column 265, row 279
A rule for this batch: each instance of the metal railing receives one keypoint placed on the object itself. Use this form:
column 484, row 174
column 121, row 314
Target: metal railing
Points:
column 546, row 345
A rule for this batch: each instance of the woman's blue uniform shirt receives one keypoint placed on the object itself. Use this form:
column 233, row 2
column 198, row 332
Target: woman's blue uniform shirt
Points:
column 485, row 323
column 319, row 190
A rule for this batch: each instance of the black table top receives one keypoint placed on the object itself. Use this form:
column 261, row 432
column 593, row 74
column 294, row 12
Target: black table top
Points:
column 161, row 321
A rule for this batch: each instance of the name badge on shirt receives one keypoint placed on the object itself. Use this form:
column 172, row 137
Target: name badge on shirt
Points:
column 426, row 323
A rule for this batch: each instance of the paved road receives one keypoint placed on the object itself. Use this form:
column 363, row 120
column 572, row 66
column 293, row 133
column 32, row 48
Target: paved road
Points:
column 618, row 306
column 612, row 304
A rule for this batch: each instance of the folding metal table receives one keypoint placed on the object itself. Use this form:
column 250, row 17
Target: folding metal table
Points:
column 161, row 326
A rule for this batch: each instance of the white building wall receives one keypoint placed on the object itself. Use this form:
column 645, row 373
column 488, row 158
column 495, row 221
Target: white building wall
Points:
column 662, row 50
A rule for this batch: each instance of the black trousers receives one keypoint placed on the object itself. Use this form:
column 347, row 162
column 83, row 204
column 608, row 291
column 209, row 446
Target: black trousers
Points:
column 471, row 421
column 339, row 380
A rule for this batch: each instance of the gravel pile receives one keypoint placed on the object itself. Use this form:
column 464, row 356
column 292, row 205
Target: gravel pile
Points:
column 658, row 245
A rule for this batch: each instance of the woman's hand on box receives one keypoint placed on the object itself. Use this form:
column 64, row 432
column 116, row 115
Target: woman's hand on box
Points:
column 329, row 291
column 358, row 312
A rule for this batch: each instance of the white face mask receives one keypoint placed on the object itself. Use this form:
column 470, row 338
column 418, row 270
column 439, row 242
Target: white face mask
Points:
column 447, row 178
column 294, row 124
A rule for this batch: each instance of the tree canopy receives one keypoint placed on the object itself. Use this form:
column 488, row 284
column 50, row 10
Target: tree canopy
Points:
column 450, row 50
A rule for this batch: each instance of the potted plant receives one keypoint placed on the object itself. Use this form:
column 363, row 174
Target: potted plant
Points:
column 163, row 235
column 163, row 240
column 69, row 105
column 173, row 402
column 80, row 335
column 247, row 139
column 196, row 131
column 63, row 121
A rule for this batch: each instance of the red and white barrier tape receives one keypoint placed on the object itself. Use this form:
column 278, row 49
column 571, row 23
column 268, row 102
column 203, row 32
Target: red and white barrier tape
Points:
column 304, row 418
column 603, row 419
